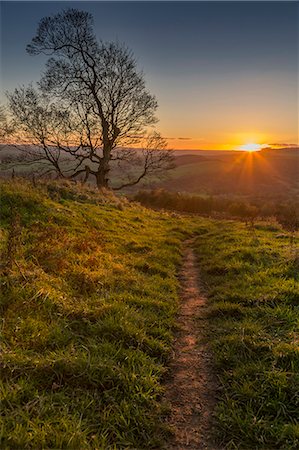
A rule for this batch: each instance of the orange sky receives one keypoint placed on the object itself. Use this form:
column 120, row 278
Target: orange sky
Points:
column 224, row 73
column 224, row 113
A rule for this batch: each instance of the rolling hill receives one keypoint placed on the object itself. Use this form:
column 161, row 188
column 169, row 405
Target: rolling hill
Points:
column 268, row 173
column 265, row 173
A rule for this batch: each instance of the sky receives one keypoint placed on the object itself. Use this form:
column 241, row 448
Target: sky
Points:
column 224, row 73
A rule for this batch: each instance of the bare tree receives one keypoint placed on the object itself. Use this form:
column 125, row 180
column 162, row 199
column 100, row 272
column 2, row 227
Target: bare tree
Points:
column 2, row 122
column 91, row 107
column 49, row 136
column 151, row 159
column 6, row 125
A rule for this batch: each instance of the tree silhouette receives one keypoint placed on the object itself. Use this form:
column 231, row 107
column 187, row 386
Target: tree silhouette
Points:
column 91, row 109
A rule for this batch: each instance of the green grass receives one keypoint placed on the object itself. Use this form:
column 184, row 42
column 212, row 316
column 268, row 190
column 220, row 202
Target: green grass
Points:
column 89, row 293
column 253, row 289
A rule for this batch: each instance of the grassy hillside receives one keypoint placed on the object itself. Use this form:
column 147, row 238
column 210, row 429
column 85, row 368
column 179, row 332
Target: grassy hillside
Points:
column 253, row 286
column 268, row 173
column 88, row 300
column 89, row 292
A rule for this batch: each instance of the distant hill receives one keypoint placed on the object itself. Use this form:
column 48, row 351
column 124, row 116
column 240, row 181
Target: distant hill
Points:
column 181, row 160
column 269, row 172
column 265, row 173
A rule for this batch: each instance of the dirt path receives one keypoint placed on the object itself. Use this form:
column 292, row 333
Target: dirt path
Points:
column 191, row 387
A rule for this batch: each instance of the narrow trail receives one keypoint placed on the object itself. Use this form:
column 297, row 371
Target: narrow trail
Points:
column 191, row 386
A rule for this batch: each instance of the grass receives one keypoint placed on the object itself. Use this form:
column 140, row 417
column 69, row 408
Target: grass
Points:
column 89, row 293
column 88, row 302
column 253, row 289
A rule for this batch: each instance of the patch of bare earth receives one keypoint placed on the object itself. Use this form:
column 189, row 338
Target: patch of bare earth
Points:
column 191, row 385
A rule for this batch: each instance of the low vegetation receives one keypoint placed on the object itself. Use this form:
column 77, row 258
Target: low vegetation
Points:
column 89, row 296
column 253, row 287
column 284, row 211
column 89, row 293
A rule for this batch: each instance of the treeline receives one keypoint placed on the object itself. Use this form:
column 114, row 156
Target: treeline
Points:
column 286, row 213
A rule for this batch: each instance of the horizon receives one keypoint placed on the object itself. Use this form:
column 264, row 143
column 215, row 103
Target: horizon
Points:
column 183, row 150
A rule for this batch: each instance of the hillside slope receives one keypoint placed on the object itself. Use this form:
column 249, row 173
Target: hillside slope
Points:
column 265, row 173
column 89, row 292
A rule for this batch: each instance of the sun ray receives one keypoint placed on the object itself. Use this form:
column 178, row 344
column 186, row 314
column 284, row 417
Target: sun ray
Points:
column 247, row 165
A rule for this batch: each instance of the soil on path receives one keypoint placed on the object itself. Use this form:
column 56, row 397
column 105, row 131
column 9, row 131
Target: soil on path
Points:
column 191, row 385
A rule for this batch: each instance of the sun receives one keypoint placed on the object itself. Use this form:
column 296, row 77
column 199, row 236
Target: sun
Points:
column 251, row 147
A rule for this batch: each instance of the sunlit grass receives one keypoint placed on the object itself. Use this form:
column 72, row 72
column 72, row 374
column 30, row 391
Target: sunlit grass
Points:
column 88, row 308
column 254, row 296
column 89, row 296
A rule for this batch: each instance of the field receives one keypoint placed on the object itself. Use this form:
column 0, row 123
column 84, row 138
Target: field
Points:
column 89, row 300
column 268, row 173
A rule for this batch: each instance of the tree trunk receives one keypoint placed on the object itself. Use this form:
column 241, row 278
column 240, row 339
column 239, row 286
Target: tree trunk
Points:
column 104, row 169
column 102, row 181
column 102, row 174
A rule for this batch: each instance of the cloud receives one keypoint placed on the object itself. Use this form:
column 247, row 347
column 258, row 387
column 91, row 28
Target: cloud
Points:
column 179, row 138
column 281, row 144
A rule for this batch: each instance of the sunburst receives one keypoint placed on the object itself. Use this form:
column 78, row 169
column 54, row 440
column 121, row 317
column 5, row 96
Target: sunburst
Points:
column 251, row 147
